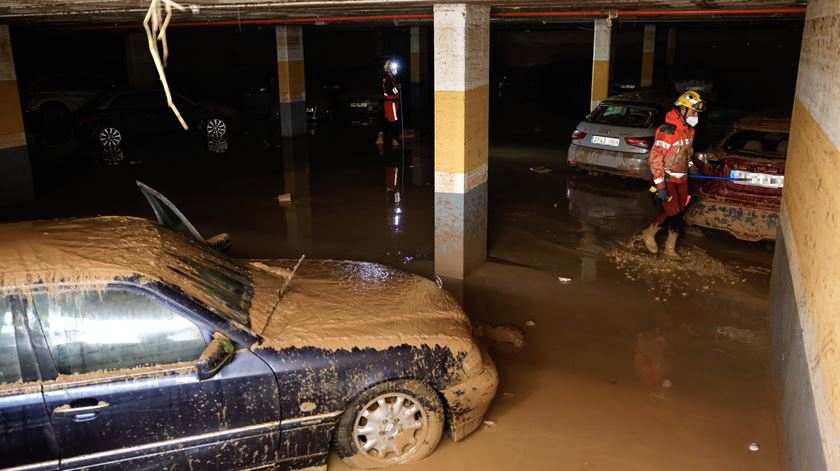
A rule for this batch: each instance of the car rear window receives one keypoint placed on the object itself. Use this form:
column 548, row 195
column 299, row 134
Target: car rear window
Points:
column 623, row 114
column 757, row 143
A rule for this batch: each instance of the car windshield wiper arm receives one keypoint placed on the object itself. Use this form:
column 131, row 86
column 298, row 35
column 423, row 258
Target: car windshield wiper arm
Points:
column 282, row 292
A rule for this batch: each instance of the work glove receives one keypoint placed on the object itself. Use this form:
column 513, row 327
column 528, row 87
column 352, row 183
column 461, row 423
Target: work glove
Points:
column 662, row 194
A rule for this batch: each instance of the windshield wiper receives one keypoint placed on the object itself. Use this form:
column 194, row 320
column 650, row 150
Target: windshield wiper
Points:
column 281, row 292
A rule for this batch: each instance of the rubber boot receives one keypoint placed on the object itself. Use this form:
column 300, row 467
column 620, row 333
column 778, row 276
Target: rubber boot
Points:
column 649, row 237
column 395, row 143
column 670, row 246
column 380, row 140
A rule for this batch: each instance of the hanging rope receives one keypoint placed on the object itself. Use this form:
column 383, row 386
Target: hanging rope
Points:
column 156, row 31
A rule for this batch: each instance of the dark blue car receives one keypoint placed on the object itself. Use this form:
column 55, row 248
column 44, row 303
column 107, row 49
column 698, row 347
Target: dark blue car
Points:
column 126, row 344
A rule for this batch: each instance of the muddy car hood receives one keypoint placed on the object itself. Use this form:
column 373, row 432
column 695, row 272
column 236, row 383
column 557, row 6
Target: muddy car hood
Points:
column 345, row 305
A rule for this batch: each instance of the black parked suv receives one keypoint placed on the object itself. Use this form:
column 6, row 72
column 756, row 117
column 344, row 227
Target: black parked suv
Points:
column 125, row 115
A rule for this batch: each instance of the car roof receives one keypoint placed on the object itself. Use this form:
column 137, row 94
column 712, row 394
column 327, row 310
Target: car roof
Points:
column 78, row 249
column 769, row 121
column 647, row 97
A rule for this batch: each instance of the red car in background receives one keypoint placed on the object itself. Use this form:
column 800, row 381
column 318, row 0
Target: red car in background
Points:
column 750, row 162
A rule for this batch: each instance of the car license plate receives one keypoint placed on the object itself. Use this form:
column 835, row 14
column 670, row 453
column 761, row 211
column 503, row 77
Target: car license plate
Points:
column 757, row 179
column 607, row 141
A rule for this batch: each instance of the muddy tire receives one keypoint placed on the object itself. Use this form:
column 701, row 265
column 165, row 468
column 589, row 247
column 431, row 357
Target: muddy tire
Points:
column 391, row 423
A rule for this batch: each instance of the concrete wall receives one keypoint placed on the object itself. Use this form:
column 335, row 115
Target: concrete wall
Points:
column 805, row 289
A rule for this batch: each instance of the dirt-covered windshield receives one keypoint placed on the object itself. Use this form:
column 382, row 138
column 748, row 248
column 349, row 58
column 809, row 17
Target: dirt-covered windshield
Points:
column 216, row 280
column 757, row 143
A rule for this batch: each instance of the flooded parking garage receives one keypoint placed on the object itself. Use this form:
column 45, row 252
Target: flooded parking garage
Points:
column 615, row 369
column 608, row 357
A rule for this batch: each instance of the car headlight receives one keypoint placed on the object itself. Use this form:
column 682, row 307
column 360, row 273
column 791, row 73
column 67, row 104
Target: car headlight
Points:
column 473, row 363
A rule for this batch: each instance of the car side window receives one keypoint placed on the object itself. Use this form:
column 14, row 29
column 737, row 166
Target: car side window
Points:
column 114, row 329
column 9, row 362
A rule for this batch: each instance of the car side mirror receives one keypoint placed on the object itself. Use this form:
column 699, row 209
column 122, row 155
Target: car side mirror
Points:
column 220, row 242
column 214, row 357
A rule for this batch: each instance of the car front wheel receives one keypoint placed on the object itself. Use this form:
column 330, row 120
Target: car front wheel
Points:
column 216, row 128
column 391, row 423
column 109, row 137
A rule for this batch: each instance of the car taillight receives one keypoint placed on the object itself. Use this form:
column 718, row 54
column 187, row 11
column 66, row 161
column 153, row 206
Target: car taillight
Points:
column 578, row 134
column 641, row 142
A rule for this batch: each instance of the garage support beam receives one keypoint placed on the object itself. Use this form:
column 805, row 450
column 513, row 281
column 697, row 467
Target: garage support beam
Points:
column 291, row 79
column 601, row 63
column 419, row 71
column 648, row 48
column 461, row 68
column 141, row 69
column 671, row 52
column 15, row 170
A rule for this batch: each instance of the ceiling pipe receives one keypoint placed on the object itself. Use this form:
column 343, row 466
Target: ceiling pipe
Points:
column 319, row 20
column 647, row 13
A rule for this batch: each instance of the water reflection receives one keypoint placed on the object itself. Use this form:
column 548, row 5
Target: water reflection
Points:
column 217, row 145
column 296, row 182
column 112, row 156
column 393, row 183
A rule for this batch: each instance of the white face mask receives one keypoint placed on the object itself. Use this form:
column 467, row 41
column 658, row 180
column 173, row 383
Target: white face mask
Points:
column 692, row 120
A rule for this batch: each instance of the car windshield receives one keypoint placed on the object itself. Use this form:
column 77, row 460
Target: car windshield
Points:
column 757, row 143
column 219, row 282
column 624, row 114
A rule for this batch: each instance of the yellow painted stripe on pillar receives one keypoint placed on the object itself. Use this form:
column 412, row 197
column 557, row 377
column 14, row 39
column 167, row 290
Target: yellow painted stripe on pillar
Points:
column 647, row 69
column 11, row 120
column 461, row 129
column 600, row 79
column 292, row 80
column 812, row 198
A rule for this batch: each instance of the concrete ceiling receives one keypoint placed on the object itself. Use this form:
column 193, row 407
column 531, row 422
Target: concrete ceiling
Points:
column 104, row 12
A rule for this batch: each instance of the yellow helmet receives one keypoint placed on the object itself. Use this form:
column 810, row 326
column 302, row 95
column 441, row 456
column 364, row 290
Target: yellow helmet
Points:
column 691, row 99
column 390, row 67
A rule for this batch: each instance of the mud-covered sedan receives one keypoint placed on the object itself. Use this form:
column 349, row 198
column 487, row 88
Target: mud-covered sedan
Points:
column 749, row 164
column 617, row 135
column 125, row 344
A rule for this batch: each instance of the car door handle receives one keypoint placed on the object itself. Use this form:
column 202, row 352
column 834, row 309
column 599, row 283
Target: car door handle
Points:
column 80, row 413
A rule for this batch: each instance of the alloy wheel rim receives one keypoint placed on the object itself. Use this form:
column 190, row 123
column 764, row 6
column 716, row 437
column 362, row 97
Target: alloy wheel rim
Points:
column 216, row 128
column 390, row 427
column 110, row 137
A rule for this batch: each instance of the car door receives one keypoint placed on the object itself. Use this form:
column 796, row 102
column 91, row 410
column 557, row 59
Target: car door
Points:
column 26, row 437
column 127, row 112
column 126, row 394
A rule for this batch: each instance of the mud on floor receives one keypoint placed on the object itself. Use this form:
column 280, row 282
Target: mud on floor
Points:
column 695, row 272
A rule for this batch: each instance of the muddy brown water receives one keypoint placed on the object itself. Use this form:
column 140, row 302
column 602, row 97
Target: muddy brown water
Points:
column 610, row 377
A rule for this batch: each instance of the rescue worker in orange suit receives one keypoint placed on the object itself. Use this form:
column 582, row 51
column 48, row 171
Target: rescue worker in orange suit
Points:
column 391, row 106
column 671, row 158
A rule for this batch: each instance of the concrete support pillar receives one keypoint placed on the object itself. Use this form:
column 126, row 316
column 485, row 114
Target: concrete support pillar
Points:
column 291, row 79
column 419, row 70
column 462, row 58
column 601, row 64
column 648, row 48
column 140, row 67
column 15, row 170
column 671, row 52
